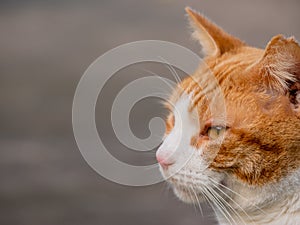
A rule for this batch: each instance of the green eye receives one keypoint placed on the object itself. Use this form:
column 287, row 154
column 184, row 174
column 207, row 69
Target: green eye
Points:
column 216, row 132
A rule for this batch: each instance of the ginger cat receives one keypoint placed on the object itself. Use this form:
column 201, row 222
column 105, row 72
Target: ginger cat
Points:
column 242, row 152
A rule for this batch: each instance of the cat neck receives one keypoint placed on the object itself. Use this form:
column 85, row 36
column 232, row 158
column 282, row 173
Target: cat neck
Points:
column 286, row 211
column 274, row 204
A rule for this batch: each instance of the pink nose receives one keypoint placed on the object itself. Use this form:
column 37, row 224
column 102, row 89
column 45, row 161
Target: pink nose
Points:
column 164, row 160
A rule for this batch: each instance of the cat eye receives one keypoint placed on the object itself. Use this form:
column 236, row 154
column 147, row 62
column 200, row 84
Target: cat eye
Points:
column 215, row 132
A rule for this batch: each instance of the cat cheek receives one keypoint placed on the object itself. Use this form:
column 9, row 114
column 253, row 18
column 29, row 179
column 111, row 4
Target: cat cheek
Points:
column 223, row 160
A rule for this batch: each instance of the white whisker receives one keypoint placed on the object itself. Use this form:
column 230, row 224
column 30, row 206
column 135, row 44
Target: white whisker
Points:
column 234, row 192
column 220, row 207
column 230, row 207
column 232, row 201
column 172, row 70
column 197, row 199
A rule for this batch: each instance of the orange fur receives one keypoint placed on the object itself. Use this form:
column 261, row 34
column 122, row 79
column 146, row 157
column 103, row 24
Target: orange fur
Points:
column 262, row 143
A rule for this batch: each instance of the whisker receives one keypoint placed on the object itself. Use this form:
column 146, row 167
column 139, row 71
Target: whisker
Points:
column 229, row 189
column 197, row 199
column 172, row 70
column 190, row 196
column 208, row 200
column 230, row 207
column 219, row 206
column 157, row 75
column 232, row 201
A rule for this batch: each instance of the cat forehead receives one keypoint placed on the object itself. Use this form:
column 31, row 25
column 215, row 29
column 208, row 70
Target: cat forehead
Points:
column 232, row 73
column 230, row 67
column 237, row 63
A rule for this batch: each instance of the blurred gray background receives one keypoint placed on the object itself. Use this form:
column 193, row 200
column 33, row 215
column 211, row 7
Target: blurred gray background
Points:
column 45, row 47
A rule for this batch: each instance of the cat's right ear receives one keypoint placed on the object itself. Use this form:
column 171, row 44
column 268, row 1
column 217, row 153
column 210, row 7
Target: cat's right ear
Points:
column 280, row 67
column 213, row 39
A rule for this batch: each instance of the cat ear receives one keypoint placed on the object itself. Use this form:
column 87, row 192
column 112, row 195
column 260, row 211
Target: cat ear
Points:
column 213, row 39
column 280, row 64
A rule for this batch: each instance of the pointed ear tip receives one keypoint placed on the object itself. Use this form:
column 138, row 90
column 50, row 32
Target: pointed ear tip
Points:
column 283, row 37
column 190, row 11
column 280, row 39
column 275, row 40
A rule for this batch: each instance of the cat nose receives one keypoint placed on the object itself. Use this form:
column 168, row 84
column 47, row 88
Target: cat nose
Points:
column 163, row 159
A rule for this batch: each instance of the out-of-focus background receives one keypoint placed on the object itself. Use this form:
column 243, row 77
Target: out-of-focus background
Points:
column 45, row 47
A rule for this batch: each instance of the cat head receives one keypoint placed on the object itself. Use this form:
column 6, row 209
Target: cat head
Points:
column 234, row 124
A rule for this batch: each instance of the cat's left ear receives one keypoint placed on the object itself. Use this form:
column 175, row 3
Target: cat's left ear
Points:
column 280, row 67
column 214, row 40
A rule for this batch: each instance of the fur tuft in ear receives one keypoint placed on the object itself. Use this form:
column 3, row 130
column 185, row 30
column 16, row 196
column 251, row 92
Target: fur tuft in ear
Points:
column 213, row 39
column 280, row 66
column 281, row 61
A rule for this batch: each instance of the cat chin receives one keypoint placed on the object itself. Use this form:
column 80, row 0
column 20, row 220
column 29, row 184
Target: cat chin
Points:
column 188, row 195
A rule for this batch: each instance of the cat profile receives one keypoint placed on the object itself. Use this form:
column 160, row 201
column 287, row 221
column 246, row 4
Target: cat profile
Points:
column 243, row 151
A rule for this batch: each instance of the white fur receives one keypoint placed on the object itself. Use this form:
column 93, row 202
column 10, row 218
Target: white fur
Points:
column 179, row 138
column 272, row 204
